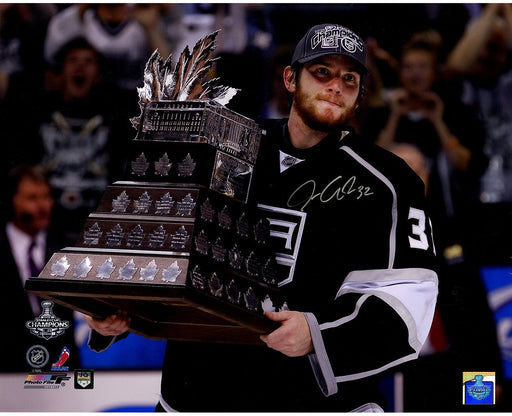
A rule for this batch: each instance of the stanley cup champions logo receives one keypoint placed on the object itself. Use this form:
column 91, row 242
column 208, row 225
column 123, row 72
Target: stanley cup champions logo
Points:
column 47, row 325
column 333, row 36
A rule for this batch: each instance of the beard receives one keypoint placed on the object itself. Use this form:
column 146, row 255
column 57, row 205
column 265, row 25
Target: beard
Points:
column 317, row 118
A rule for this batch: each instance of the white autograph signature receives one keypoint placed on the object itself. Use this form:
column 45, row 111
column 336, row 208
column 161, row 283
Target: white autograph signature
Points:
column 336, row 189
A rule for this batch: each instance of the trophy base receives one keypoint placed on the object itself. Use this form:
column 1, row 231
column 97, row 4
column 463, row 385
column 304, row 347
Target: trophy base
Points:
column 158, row 311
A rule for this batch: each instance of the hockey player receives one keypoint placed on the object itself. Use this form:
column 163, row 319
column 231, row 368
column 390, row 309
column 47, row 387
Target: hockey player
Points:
column 357, row 241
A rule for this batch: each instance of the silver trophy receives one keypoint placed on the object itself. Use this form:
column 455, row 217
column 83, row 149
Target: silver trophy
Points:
column 175, row 243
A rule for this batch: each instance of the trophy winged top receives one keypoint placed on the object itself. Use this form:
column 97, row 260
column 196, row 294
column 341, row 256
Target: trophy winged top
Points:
column 186, row 80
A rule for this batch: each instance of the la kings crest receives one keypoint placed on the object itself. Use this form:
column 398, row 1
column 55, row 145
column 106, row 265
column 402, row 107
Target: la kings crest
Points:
column 286, row 230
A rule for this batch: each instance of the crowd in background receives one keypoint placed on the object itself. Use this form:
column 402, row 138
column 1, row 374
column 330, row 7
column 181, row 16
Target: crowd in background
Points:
column 439, row 95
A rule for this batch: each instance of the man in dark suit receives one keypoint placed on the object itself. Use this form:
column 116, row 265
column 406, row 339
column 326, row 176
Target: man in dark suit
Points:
column 26, row 243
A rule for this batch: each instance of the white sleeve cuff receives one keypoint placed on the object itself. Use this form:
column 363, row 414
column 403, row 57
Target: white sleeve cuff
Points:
column 319, row 359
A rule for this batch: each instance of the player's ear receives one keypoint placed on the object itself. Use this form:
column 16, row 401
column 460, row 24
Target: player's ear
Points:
column 289, row 79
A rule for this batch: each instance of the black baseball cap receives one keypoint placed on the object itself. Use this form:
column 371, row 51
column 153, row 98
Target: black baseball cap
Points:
column 330, row 39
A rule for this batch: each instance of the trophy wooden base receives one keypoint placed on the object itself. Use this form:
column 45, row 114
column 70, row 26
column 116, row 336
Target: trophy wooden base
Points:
column 158, row 311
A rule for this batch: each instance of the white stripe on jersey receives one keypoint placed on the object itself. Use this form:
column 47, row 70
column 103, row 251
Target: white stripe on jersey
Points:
column 394, row 213
column 400, row 289
column 397, row 287
column 348, row 318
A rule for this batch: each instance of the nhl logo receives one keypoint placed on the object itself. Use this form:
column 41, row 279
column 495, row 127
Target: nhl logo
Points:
column 287, row 161
column 37, row 356
column 84, row 379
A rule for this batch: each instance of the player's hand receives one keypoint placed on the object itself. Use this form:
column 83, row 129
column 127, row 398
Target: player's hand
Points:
column 293, row 337
column 111, row 326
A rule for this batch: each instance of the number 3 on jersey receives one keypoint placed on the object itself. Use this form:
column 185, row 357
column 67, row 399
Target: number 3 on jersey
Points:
column 419, row 238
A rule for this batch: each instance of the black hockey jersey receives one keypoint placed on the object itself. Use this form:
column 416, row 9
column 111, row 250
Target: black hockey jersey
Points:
column 355, row 254
column 360, row 250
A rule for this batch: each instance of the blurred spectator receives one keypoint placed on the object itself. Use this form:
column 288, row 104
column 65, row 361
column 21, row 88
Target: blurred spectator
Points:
column 196, row 20
column 449, row 20
column 244, row 41
column 126, row 34
column 463, row 334
column 277, row 99
column 77, row 132
column 383, row 75
column 384, row 65
column 482, row 61
column 446, row 132
column 482, row 56
column 417, row 161
column 22, row 31
column 28, row 205
column 242, row 26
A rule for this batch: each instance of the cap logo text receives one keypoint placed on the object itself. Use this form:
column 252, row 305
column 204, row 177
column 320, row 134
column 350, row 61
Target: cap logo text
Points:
column 332, row 36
